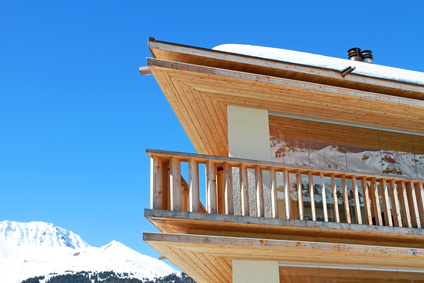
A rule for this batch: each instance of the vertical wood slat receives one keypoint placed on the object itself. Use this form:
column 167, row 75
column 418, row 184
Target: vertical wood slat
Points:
column 412, row 199
column 228, row 188
column 394, row 195
column 375, row 198
column 386, row 204
column 356, row 200
column 406, row 215
column 367, row 201
column 244, row 194
column 299, row 194
column 324, row 198
column 193, row 177
column 220, row 190
column 175, row 184
column 156, row 187
column 420, row 200
column 274, row 205
column 259, row 192
column 312, row 196
column 211, row 205
column 346, row 200
column 335, row 201
column 287, row 198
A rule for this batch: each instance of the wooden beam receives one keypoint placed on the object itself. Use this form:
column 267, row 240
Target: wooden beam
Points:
column 394, row 195
column 356, row 199
column 335, row 201
column 300, row 195
column 324, row 198
column 259, row 192
column 228, row 181
column 375, row 198
column 386, row 203
column 412, row 200
column 312, row 196
column 244, row 190
column 193, row 176
column 274, row 204
column 287, row 197
column 175, row 184
column 403, row 197
column 156, row 186
column 367, row 201
column 346, row 200
column 211, row 192
column 419, row 188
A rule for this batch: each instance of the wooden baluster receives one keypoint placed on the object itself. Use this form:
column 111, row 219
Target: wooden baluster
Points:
column 335, row 202
column 394, row 195
column 312, row 195
column 287, row 194
column 367, row 201
column 228, row 187
column 299, row 194
column 220, row 190
column 420, row 200
column 406, row 215
column 375, row 198
column 324, row 198
column 274, row 206
column 259, row 192
column 357, row 202
column 386, row 203
column 193, row 177
column 211, row 187
column 244, row 193
column 175, row 184
column 412, row 200
column 346, row 200
column 156, row 186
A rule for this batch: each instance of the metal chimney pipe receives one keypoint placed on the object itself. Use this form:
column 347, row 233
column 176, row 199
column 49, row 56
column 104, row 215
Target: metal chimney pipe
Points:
column 354, row 54
column 367, row 56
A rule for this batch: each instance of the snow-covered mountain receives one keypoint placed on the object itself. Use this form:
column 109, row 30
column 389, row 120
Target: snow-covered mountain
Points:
column 41, row 249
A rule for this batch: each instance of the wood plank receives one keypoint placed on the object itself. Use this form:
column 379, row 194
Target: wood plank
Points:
column 259, row 192
column 412, row 200
column 324, row 198
column 287, row 197
column 357, row 202
column 274, row 205
column 156, row 186
column 312, row 196
column 193, row 176
column 346, row 200
column 335, row 201
column 419, row 188
column 367, row 201
column 300, row 195
column 220, row 190
column 396, row 208
column 406, row 215
column 386, row 203
column 175, row 184
column 244, row 190
column 375, row 198
column 228, row 183
column 211, row 192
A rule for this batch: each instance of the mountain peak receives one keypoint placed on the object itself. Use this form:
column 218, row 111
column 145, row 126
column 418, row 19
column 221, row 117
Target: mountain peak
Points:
column 39, row 234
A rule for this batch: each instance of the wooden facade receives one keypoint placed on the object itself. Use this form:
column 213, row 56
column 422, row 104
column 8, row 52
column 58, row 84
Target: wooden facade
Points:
column 213, row 209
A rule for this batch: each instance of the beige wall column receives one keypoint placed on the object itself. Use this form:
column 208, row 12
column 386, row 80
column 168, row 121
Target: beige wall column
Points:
column 253, row 271
column 248, row 133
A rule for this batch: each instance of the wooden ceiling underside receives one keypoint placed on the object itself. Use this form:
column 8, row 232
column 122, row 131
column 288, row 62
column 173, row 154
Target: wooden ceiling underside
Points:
column 199, row 96
column 209, row 258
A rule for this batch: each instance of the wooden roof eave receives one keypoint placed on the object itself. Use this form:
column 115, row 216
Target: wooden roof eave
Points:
column 213, row 58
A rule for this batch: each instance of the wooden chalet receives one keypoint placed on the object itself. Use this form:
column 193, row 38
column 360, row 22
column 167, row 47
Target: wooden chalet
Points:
column 303, row 172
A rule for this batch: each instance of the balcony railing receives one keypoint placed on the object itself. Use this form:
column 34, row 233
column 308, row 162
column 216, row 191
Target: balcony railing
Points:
column 302, row 193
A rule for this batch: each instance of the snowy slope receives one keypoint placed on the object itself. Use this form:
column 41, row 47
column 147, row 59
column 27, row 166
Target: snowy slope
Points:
column 37, row 248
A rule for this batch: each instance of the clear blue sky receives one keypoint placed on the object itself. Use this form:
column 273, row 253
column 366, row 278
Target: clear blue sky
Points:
column 76, row 115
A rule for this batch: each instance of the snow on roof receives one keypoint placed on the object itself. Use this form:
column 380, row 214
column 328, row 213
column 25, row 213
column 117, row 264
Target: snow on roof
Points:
column 320, row 61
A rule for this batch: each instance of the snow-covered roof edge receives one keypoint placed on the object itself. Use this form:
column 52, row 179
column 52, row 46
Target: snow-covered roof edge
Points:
column 326, row 62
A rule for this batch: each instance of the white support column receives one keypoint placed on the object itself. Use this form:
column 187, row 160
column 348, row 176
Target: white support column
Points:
column 248, row 133
column 253, row 271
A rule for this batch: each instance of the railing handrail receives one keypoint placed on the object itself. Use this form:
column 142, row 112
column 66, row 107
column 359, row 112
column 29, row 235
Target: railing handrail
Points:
column 235, row 161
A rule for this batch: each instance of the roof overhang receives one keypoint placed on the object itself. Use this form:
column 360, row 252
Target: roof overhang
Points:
column 200, row 83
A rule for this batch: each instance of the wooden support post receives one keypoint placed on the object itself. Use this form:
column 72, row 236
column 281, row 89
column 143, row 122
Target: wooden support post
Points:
column 211, row 205
column 406, row 215
column 193, row 176
column 156, row 186
column 287, row 194
column 220, row 190
column 175, row 184
column 312, row 195
column 335, row 202
column 244, row 193
column 412, row 200
column 228, row 186
column 367, row 201
column 324, row 197
column 346, row 200
column 259, row 192
column 394, row 195
column 419, row 188
column 375, row 198
column 386, row 203
column 274, row 205
column 357, row 202
column 299, row 194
